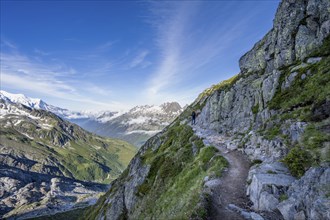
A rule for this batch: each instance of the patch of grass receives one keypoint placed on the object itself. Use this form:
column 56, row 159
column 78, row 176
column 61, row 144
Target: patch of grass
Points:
column 304, row 92
column 216, row 166
column 324, row 50
column 271, row 172
column 301, row 114
column 275, row 131
column 283, row 197
column 255, row 109
column 298, row 161
column 199, row 143
column 199, row 213
column 256, row 161
column 206, row 154
column 313, row 139
column 101, row 164
column 224, row 85
column 312, row 150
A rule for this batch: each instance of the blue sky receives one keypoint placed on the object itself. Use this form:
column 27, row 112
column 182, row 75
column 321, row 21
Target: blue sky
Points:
column 98, row 55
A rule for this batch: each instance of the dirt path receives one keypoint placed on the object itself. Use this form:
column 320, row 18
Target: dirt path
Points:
column 231, row 188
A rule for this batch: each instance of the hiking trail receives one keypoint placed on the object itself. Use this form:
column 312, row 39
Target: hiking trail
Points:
column 231, row 187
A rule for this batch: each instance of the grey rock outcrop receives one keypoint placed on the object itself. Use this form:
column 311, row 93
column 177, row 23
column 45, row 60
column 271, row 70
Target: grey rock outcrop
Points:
column 260, row 148
column 268, row 183
column 245, row 103
column 25, row 194
column 299, row 28
column 308, row 197
column 245, row 214
column 231, row 111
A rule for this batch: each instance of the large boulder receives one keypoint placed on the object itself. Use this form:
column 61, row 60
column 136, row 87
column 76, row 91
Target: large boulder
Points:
column 308, row 197
column 269, row 182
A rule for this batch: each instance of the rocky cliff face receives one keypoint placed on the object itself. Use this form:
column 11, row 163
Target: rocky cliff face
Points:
column 299, row 28
column 275, row 111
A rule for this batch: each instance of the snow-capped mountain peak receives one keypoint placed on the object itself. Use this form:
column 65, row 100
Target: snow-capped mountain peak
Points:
column 135, row 125
column 39, row 104
column 22, row 99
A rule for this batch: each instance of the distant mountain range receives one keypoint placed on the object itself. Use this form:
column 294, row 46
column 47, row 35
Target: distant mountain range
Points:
column 135, row 126
column 39, row 104
column 48, row 164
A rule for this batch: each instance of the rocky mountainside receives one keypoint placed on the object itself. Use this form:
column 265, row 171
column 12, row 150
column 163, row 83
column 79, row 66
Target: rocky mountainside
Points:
column 135, row 126
column 47, row 164
column 275, row 112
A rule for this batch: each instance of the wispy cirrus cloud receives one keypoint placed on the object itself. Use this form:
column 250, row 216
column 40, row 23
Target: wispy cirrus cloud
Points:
column 97, row 90
column 8, row 44
column 54, row 88
column 18, row 64
column 40, row 52
column 53, row 80
column 185, row 47
column 170, row 33
column 140, row 60
column 107, row 45
column 20, row 71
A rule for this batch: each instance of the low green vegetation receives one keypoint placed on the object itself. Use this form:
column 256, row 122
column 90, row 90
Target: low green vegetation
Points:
column 256, row 161
column 271, row 172
column 314, row 137
column 300, row 114
column 312, row 150
column 298, row 161
column 96, row 159
column 173, row 188
column 176, row 171
column 305, row 100
column 273, row 132
column 312, row 90
column 283, row 197
column 255, row 109
column 324, row 50
column 223, row 85
column 66, row 149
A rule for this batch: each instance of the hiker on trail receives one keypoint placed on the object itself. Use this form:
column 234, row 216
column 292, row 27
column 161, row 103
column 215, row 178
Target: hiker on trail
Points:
column 193, row 118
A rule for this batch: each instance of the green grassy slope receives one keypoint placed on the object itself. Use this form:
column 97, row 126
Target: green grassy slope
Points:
column 55, row 146
column 174, row 185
